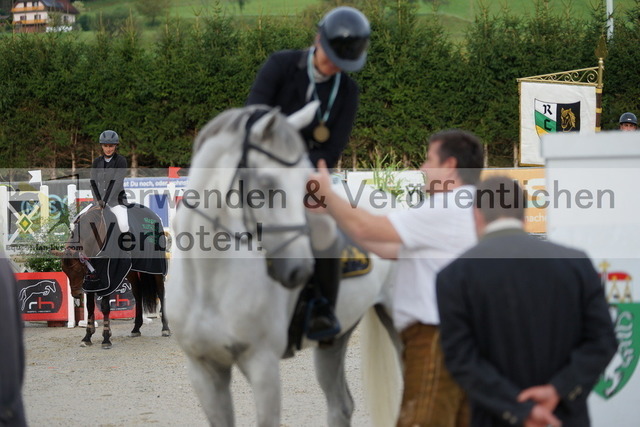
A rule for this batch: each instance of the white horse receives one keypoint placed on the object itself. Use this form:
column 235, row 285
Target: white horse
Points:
column 231, row 303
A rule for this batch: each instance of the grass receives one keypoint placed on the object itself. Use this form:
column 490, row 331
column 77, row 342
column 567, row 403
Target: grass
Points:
column 192, row 8
column 455, row 15
column 461, row 9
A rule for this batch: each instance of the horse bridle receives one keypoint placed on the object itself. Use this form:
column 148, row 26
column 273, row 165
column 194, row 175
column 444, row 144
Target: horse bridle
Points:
column 241, row 174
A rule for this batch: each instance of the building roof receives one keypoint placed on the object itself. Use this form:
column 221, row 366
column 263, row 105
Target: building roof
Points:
column 57, row 5
column 61, row 5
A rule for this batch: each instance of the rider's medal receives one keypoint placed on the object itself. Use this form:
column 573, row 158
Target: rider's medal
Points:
column 321, row 133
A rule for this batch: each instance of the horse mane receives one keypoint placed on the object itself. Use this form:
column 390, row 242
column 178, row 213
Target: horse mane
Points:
column 286, row 141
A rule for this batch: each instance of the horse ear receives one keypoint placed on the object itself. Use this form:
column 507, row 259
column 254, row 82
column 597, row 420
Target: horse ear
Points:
column 303, row 116
column 263, row 125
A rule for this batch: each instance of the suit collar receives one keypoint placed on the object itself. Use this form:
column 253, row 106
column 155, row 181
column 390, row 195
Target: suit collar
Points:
column 302, row 60
column 504, row 232
column 301, row 76
column 504, row 227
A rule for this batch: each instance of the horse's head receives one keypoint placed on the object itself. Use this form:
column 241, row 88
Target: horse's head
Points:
column 89, row 232
column 567, row 120
column 73, row 268
column 257, row 162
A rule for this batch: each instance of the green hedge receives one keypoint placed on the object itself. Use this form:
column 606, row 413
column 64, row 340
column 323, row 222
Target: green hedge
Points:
column 59, row 91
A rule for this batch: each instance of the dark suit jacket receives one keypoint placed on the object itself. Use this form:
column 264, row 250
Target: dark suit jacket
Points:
column 107, row 180
column 283, row 82
column 11, row 350
column 516, row 312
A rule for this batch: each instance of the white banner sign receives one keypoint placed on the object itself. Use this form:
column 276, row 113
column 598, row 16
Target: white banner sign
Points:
column 606, row 166
column 553, row 108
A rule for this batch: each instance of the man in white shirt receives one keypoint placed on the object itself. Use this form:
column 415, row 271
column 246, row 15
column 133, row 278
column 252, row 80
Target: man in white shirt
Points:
column 423, row 239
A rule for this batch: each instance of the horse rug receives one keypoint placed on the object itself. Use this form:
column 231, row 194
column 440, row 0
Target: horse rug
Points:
column 142, row 249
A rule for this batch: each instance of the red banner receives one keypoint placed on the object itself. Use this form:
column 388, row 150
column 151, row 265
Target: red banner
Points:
column 43, row 296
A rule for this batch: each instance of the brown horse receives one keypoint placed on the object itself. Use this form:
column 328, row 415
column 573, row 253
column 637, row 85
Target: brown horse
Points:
column 147, row 288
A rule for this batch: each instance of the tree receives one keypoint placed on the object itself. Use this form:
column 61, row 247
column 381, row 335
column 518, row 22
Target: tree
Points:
column 152, row 8
column 5, row 6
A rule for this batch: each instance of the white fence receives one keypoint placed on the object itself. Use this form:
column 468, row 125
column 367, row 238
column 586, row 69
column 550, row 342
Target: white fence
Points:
column 32, row 215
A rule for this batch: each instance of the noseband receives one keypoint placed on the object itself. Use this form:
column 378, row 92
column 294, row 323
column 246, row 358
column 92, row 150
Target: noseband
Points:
column 242, row 174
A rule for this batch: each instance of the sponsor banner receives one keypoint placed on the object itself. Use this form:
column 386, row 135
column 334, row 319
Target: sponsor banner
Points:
column 533, row 182
column 43, row 296
column 609, row 234
column 553, row 108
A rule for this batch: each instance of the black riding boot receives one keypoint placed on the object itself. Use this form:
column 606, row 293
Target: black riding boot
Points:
column 326, row 277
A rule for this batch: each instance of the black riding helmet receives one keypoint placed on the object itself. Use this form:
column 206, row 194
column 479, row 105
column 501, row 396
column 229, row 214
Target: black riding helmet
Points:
column 109, row 137
column 629, row 118
column 344, row 36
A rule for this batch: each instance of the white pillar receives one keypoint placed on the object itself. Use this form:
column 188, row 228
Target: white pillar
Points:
column 609, row 19
column 4, row 220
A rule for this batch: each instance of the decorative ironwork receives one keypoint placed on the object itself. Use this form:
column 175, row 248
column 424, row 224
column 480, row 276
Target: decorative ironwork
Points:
column 585, row 76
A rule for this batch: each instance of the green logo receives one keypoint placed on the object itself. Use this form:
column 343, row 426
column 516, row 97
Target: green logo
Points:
column 552, row 117
column 623, row 364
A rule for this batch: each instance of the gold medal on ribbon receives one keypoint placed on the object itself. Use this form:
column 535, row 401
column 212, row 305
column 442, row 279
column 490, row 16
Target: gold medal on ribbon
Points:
column 321, row 133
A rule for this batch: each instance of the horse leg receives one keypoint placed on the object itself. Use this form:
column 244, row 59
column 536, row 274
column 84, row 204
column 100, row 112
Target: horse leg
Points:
column 91, row 326
column 212, row 383
column 263, row 373
column 137, row 295
column 106, row 332
column 166, row 332
column 329, row 363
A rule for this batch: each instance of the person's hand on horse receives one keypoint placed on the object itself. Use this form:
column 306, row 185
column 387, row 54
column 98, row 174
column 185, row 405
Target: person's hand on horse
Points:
column 318, row 189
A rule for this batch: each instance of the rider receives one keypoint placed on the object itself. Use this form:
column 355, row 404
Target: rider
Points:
column 628, row 122
column 107, row 179
column 290, row 79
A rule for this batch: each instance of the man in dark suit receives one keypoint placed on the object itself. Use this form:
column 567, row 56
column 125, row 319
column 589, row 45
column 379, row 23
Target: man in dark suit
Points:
column 525, row 326
column 11, row 351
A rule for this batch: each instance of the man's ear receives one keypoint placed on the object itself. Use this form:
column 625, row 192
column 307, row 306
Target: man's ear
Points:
column 450, row 162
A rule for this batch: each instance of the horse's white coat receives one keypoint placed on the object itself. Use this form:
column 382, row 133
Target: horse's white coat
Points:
column 224, row 307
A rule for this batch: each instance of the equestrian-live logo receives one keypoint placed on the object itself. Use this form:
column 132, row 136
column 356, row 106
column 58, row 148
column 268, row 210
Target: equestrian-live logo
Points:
column 625, row 314
column 551, row 117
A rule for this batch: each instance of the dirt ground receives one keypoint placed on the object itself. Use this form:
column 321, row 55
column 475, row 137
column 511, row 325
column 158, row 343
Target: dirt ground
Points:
column 143, row 381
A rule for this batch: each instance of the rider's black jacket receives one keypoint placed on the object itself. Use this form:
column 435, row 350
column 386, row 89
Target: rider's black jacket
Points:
column 283, row 81
column 107, row 180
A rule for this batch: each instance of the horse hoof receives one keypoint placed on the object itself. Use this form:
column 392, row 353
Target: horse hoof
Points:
column 136, row 334
column 166, row 333
column 85, row 344
column 106, row 346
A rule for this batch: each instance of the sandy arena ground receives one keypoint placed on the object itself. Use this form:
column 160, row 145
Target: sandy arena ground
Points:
column 144, row 381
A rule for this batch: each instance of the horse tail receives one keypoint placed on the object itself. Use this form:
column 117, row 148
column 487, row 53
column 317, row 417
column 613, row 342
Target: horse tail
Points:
column 149, row 292
column 381, row 370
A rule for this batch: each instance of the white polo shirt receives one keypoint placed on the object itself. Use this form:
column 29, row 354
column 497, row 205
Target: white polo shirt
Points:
column 433, row 234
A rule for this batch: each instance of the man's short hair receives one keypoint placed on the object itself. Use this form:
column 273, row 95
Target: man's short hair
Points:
column 500, row 197
column 466, row 148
